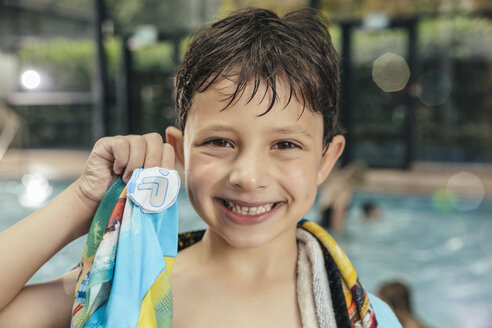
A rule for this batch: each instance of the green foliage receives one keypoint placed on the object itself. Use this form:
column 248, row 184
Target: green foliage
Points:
column 156, row 56
column 67, row 64
column 76, row 3
column 371, row 45
column 166, row 16
column 459, row 36
column 357, row 9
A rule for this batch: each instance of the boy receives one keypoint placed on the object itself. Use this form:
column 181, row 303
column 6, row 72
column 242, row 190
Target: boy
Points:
column 257, row 133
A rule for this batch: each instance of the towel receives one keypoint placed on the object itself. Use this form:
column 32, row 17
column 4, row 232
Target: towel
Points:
column 334, row 299
column 304, row 290
column 313, row 288
column 124, row 278
column 350, row 301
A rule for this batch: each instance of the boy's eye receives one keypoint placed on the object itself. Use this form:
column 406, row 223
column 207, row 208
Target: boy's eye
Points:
column 219, row 143
column 285, row 145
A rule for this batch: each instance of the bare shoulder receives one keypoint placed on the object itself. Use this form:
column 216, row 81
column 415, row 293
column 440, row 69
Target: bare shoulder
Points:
column 47, row 304
column 186, row 272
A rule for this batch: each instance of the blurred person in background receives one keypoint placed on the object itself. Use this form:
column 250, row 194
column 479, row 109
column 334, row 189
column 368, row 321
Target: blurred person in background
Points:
column 398, row 296
column 336, row 195
column 371, row 211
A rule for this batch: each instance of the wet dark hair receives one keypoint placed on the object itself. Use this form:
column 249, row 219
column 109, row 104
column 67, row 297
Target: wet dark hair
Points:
column 256, row 46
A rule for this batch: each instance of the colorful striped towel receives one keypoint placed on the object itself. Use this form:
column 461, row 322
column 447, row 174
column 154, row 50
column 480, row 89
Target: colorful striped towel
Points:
column 358, row 310
column 125, row 269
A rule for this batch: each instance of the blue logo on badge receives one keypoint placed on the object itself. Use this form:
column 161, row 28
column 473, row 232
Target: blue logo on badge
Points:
column 154, row 189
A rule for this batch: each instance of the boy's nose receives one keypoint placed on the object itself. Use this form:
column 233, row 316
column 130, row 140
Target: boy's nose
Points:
column 249, row 172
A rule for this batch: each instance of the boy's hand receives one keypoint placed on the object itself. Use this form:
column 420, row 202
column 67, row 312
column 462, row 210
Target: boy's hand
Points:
column 119, row 156
column 50, row 228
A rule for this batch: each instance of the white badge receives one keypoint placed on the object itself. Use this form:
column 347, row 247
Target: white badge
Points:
column 153, row 189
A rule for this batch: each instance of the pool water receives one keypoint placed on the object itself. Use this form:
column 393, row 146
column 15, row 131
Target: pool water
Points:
column 444, row 256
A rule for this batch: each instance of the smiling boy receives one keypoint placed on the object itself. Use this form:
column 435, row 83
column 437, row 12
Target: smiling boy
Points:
column 257, row 104
column 250, row 177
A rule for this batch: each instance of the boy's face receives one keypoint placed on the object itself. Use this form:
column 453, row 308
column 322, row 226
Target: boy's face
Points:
column 252, row 177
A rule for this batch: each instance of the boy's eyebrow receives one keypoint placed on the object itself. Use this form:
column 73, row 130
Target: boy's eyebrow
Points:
column 292, row 131
column 281, row 130
column 216, row 127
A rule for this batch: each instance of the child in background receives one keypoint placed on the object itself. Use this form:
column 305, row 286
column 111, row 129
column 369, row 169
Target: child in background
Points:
column 371, row 211
column 257, row 133
column 397, row 295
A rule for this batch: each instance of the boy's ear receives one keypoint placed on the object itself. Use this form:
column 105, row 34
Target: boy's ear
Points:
column 330, row 157
column 175, row 138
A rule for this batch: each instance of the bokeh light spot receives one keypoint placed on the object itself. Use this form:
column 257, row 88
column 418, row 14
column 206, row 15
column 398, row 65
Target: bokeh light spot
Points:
column 390, row 72
column 435, row 88
column 443, row 200
column 30, row 79
column 36, row 190
column 468, row 189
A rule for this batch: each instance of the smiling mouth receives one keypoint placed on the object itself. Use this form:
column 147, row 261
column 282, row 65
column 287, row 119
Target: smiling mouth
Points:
column 244, row 213
column 248, row 210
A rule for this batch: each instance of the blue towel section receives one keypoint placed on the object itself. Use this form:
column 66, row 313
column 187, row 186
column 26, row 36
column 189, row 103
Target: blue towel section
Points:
column 137, row 249
column 145, row 238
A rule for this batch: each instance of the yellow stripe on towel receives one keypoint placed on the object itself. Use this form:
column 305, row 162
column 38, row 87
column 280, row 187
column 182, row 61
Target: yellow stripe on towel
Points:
column 342, row 261
column 156, row 309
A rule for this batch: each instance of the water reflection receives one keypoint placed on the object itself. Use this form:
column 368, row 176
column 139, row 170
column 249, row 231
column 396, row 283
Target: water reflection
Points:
column 36, row 190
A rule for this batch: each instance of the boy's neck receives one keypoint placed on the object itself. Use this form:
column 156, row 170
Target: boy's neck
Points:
column 274, row 259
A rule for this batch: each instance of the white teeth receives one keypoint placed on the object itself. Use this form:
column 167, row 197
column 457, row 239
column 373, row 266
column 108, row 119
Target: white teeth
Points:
column 244, row 210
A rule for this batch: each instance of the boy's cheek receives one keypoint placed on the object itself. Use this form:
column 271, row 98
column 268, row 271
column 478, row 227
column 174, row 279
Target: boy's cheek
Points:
column 301, row 182
column 203, row 172
column 301, row 176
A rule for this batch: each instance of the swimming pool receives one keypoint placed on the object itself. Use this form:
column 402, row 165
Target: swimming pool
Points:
column 445, row 256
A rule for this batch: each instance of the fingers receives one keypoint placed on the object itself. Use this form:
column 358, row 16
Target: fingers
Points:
column 120, row 156
column 131, row 152
column 136, row 159
column 121, row 152
column 167, row 159
column 154, row 151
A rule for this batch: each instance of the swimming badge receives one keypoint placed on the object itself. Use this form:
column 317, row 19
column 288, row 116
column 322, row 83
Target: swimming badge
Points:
column 153, row 189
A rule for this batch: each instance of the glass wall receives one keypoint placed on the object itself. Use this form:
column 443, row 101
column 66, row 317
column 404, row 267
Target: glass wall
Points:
column 450, row 89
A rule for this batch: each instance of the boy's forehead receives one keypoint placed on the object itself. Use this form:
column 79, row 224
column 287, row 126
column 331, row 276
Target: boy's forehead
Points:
column 211, row 108
column 228, row 93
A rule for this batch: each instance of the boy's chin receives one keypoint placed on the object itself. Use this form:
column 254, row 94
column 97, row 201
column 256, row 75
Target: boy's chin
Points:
column 250, row 240
column 245, row 242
